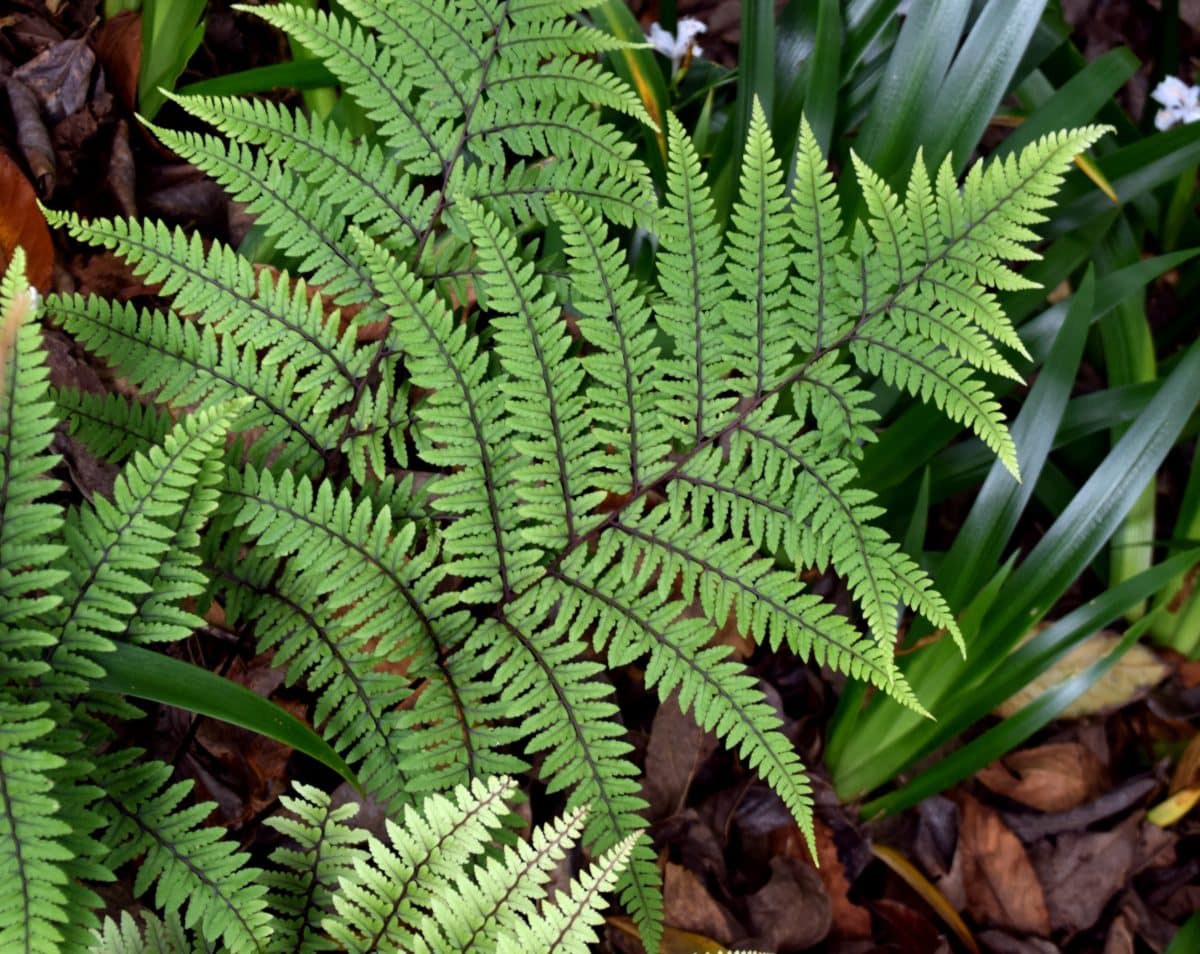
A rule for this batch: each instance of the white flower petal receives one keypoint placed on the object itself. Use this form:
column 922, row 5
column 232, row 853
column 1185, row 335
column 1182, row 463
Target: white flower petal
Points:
column 662, row 41
column 1172, row 91
column 1164, row 119
column 689, row 28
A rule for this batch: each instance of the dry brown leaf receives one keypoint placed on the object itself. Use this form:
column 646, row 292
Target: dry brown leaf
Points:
column 21, row 223
column 1081, row 871
column 33, row 139
column 792, row 909
column 689, row 907
column 1001, row 885
column 676, row 750
column 60, row 77
column 1050, row 778
column 1134, row 673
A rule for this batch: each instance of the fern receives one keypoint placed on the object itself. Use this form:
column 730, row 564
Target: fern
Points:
column 476, row 464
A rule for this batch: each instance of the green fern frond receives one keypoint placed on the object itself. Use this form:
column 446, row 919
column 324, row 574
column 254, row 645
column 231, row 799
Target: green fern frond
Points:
column 195, row 871
column 570, row 922
column 35, row 904
column 757, row 333
column 691, row 275
column 29, row 524
column 110, row 425
column 607, row 474
column 111, row 545
column 323, row 850
column 572, row 721
column 384, row 903
column 460, row 425
column 154, row 935
column 182, row 364
column 254, row 309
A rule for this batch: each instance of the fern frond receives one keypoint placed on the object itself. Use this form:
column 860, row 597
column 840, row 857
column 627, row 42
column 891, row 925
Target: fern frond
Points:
column 691, row 275
column 926, row 370
column 722, row 697
column 356, row 575
column 569, row 924
column 360, row 181
column 572, row 719
column 306, row 873
column 113, row 544
column 460, row 425
column 614, row 318
column 383, row 904
column 555, row 480
column 35, row 904
column 110, row 425
column 29, row 524
column 196, row 872
column 154, row 935
column 758, row 333
column 183, row 364
column 469, row 911
column 822, row 316
column 250, row 307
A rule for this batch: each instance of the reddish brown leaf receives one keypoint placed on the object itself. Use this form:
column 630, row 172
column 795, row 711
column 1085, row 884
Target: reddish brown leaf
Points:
column 118, row 46
column 1050, row 778
column 122, row 172
column 253, row 767
column 849, row 919
column 1001, row 886
column 906, row 929
column 21, row 223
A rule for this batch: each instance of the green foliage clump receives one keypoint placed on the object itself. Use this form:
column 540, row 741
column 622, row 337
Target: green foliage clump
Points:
column 609, row 471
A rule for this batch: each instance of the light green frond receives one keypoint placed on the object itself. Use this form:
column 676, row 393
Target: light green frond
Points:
column 383, row 904
column 154, row 935
column 575, row 727
column 29, row 525
column 614, row 318
column 720, row 695
column 305, row 227
column 181, row 364
column 822, row 314
column 460, row 425
column 358, row 180
column 569, row 924
column 113, row 546
column 35, row 904
column 925, row 370
column 694, row 286
column 196, row 873
column 323, row 848
column 419, row 137
column 759, row 332
column 555, row 480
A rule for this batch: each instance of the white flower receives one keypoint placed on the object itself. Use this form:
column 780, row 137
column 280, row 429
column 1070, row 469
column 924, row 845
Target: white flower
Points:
column 1180, row 102
column 675, row 47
